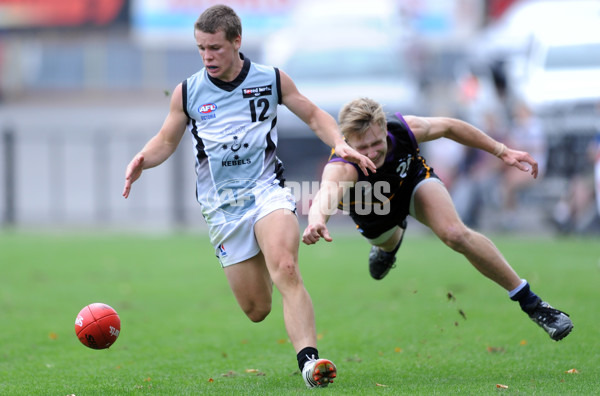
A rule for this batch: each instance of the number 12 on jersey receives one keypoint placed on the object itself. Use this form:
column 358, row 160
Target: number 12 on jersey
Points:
column 261, row 103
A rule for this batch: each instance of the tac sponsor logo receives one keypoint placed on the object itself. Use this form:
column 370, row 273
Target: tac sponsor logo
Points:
column 265, row 90
column 79, row 321
column 207, row 108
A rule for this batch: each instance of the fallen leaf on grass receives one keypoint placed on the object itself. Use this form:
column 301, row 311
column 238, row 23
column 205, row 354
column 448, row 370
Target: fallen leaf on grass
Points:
column 495, row 349
column 523, row 342
column 53, row 336
column 450, row 296
column 385, row 386
column 281, row 341
column 148, row 379
column 572, row 371
column 501, row 386
column 252, row 370
column 211, row 380
column 229, row 374
column 462, row 313
column 398, row 350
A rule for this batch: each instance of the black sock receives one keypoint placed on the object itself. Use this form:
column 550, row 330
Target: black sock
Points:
column 527, row 299
column 305, row 355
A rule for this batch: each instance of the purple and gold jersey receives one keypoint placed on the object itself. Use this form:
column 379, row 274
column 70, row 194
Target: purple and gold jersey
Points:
column 381, row 200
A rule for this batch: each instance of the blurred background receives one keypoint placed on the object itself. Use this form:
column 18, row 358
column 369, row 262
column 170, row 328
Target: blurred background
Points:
column 85, row 83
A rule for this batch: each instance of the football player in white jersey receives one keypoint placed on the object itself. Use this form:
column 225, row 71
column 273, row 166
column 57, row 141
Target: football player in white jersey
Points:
column 233, row 121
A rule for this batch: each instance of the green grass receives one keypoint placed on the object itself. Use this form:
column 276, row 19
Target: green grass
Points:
column 182, row 332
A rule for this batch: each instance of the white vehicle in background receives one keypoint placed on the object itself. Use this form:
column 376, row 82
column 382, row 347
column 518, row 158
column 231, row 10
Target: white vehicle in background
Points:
column 561, row 78
column 336, row 52
column 548, row 52
column 509, row 41
column 510, row 36
column 561, row 84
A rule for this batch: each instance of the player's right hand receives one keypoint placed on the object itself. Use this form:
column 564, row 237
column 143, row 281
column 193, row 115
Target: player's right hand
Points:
column 134, row 171
column 314, row 232
column 345, row 151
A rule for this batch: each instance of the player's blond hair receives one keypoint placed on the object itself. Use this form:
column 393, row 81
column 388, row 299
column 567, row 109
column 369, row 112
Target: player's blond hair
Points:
column 220, row 17
column 358, row 115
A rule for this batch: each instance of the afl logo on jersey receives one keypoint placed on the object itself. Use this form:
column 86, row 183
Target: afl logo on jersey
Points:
column 207, row 108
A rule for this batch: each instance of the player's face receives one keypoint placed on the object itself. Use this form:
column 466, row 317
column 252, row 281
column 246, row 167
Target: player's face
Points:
column 372, row 144
column 219, row 55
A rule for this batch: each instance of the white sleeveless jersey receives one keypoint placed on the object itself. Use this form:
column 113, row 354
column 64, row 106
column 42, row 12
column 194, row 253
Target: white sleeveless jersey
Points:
column 235, row 135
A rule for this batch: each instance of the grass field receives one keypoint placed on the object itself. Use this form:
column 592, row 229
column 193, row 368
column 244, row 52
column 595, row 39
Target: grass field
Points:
column 433, row 326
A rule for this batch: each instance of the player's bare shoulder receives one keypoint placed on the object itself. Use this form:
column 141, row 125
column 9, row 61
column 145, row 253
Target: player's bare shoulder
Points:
column 419, row 127
column 177, row 97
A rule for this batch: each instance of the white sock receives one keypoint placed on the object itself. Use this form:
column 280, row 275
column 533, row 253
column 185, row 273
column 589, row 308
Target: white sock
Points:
column 517, row 289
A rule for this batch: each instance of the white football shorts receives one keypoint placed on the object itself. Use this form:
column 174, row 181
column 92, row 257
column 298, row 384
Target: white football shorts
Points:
column 234, row 241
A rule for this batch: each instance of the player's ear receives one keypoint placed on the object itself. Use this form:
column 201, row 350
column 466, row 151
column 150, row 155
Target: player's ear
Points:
column 237, row 43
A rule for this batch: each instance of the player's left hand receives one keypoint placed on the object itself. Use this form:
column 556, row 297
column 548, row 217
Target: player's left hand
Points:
column 314, row 232
column 519, row 159
column 134, row 171
column 343, row 150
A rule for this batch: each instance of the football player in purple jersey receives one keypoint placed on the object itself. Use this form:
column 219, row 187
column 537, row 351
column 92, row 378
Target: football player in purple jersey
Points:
column 405, row 185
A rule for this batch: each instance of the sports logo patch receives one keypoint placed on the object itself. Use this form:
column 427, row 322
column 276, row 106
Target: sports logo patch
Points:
column 207, row 111
column 257, row 91
column 222, row 251
column 207, row 108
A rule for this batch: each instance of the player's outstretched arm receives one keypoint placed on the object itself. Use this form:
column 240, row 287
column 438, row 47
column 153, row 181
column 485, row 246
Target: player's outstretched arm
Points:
column 337, row 178
column 162, row 145
column 321, row 123
column 431, row 128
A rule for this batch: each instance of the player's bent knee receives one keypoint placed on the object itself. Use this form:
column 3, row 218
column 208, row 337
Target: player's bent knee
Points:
column 257, row 314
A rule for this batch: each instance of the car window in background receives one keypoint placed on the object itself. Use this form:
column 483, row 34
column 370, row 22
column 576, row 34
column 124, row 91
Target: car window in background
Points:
column 580, row 56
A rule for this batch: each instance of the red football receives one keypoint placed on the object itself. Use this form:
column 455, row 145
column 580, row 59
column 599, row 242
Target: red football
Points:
column 97, row 326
